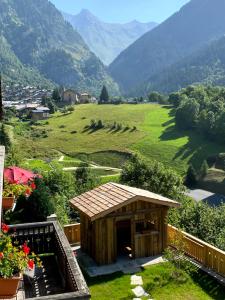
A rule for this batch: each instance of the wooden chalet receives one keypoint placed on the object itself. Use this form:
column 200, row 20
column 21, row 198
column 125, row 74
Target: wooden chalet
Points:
column 121, row 220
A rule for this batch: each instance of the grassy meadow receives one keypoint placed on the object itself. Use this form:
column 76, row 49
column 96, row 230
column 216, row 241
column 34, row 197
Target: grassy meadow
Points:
column 148, row 129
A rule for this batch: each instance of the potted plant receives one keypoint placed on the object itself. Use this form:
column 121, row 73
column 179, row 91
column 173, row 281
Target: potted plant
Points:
column 14, row 261
column 8, row 202
column 12, row 192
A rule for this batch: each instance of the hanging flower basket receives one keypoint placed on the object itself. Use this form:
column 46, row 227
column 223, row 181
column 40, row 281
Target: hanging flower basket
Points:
column 8, row 202
column 16, row 189
column 12, row 191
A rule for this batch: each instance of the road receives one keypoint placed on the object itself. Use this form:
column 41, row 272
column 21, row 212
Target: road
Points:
column 205, row 196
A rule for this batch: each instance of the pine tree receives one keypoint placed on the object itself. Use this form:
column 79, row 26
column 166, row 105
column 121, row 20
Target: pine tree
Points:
column 56, row 95
column 1, row 99
column 191, row 177
column 104, row 97
column 52, row 107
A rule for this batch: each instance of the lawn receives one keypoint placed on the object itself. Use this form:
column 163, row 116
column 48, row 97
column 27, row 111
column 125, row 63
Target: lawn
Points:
column 40, row 165
column 147, row 128
column 157, row 281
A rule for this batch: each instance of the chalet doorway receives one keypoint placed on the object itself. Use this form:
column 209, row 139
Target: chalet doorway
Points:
column 123, row 233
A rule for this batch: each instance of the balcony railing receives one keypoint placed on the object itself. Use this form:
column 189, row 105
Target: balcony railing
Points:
column 49, row 241
column 207, row 255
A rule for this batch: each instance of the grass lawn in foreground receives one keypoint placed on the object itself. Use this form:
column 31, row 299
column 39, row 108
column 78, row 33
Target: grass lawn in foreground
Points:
column 156, row 136
column 157, row 282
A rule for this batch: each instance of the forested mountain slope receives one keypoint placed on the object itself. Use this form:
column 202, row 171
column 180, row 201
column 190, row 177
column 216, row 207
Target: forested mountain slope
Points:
column 206, row 66
column 39, row 37
column 195, row 25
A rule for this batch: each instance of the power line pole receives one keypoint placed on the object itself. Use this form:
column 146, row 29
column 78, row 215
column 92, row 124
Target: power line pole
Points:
column 1, row 99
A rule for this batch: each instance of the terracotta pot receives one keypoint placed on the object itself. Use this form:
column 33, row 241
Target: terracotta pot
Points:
column 8, row 202
column 9, row 286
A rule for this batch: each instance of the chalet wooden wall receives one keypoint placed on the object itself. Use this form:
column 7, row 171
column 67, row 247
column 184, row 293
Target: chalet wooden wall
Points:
column 99, row 238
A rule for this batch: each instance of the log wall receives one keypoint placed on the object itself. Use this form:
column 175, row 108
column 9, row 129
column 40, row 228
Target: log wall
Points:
column 99, row 238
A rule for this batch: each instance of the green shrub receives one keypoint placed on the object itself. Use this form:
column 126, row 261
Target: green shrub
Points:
column 92, row 124
column 100, row 124
column 38, row 206
column 119, row 127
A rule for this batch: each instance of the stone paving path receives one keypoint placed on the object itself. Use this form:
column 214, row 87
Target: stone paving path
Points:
column 136, row 280
column 138, row 291
column 61, row 158
column 125, row 265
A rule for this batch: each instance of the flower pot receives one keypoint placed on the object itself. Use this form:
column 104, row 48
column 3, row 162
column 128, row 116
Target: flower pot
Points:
column 7, row 202
column 9, row 286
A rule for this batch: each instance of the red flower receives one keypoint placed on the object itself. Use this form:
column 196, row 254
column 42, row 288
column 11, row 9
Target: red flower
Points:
column 33, row 186
column 27, row 192
column 5, row 228
column 26, row 249
column 1, row 255
column 31, row 264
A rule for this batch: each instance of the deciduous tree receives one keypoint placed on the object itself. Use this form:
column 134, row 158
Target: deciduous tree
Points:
column 152, row 176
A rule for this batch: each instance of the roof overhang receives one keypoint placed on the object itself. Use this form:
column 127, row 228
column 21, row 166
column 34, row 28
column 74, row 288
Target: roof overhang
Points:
column 168, row 203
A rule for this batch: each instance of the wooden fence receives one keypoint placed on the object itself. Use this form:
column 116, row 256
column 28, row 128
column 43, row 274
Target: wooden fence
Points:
column 204, row 253
column 72, row 233
column 207, row 255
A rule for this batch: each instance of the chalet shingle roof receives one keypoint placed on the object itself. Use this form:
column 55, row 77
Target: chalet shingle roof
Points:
column 111, row 196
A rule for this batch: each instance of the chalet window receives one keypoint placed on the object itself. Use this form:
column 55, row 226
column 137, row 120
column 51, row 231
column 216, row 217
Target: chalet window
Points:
column 146, row 226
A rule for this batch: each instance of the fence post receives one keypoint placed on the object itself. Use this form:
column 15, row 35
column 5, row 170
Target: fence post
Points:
column 52, row 218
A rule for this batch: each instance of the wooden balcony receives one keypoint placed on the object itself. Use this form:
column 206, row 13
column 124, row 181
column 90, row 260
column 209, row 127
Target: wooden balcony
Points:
column 60, row 277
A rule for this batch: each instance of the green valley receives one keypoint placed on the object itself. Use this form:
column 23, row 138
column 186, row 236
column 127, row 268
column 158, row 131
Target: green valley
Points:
column 148, row 129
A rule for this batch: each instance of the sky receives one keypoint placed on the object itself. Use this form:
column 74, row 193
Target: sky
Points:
column 122, row 11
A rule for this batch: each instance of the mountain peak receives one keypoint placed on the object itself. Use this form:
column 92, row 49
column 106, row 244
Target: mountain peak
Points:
column 85, row 11
column 134, row 22
column 85, row 14
column 106, row 40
